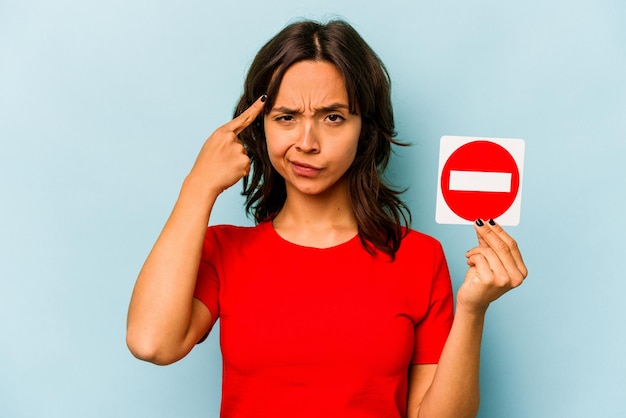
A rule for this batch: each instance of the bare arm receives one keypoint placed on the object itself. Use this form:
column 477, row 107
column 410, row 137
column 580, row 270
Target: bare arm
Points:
column 164, row 319
column 451, row 388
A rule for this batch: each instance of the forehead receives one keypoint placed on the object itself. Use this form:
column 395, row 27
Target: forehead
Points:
column 312, row 81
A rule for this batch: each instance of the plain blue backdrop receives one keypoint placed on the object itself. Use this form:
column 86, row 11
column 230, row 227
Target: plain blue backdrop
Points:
column 105, row 104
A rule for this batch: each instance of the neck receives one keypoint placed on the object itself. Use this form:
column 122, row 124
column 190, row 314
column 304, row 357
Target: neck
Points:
column 317, row 220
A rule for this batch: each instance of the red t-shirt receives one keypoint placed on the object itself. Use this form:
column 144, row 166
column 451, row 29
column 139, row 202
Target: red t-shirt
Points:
column 308, row 332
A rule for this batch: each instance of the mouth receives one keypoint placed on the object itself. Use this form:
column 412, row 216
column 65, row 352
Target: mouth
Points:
column 304, row 165
column 304, row 169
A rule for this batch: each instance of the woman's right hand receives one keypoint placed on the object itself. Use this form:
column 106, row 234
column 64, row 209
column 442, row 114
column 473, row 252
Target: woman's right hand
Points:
column 223, row 160
column 165, row 321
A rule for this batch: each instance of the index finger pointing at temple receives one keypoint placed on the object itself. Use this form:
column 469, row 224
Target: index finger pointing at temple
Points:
column 246, row 118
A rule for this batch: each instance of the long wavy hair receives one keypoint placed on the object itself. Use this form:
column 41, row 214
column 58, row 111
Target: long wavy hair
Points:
column 381, row 216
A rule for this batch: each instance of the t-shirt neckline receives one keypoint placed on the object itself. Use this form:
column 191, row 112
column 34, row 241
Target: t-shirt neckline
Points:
column 269, row 226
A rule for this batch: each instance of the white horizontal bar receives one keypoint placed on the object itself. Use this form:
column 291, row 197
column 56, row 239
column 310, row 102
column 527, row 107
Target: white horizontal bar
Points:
column 480, row 181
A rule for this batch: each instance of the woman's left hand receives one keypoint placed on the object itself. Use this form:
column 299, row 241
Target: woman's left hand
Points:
column 495, row 267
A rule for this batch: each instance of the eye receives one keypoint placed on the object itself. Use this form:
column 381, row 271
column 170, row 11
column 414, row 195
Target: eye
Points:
column 335, row 118
column 284, row 118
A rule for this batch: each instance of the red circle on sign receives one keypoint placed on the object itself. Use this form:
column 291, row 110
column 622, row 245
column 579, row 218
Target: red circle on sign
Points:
column 480, row 156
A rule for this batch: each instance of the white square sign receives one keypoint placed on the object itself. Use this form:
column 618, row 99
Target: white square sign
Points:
column 479, row 178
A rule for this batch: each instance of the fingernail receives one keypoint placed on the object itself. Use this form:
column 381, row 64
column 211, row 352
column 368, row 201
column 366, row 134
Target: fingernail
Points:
column 263, row 98
column 492, row 222
column 479, row 222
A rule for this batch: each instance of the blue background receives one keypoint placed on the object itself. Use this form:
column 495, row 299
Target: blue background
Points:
column 104, row 106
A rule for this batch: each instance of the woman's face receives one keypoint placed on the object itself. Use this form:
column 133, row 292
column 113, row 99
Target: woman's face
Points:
column 311, row 135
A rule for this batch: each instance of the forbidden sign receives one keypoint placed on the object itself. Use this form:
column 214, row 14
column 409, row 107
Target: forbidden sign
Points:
column 479, row 178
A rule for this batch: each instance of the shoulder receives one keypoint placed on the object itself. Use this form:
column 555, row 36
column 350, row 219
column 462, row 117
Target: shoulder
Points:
column 418, row 247
column 222, row 238
column 418, row 240
column 229, row 231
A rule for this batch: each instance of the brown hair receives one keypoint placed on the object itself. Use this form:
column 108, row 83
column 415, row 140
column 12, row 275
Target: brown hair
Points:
column 381, row 216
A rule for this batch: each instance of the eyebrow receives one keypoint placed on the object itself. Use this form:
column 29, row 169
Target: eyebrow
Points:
column 328, row 108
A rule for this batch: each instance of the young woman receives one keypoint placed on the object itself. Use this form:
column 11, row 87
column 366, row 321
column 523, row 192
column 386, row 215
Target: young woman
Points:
column 331, row 306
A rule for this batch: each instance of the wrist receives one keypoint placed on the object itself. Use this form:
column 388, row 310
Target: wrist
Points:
column 472, row 311
column 197, row 193
column 198, row 187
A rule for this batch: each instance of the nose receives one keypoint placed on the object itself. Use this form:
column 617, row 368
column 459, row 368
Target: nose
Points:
column 308, row 141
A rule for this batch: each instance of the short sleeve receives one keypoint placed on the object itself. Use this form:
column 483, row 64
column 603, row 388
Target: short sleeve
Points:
column 432, row 331
column 207, row 282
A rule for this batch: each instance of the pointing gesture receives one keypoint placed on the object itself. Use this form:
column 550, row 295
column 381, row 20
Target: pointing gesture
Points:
column 223, row 160
column 246, row 118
